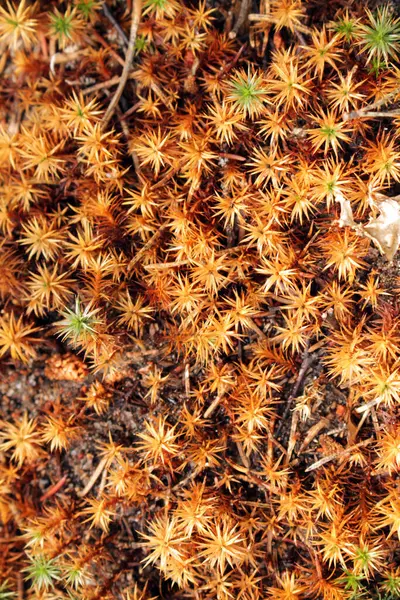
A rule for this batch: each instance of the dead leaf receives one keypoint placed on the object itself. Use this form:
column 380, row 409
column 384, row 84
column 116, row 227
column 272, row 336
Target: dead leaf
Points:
column 384, row 230
column 346, row 213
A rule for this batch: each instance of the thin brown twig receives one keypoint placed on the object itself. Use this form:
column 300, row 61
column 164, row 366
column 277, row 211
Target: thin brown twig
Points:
column 188, row 261
column 313, row 432
column 242, row 16
column 231, row 64
column 305, row 364
column 4, row 54
column 103, row 42
column 257, row 329
column 65, row 57
column 368, row 406
column 336, row 455
column 20, row 586
column 389, row 114
column 213, row 406
column 131, row 110
column 245, row 474
column 356, row 114
column 292, row 436
column 269, row 19
column 103, row 85
column 230, row 156
column 222, row 252
column 102, row 483
column 168, row 265
column 125, row 129
column 146, row 247
column 186, row 378
column 316, row 346
column 243, row 457
column 275, row 442
column 136, row 14
column 53, row 489
column 361, row 422
column 375, row 423
column 183, row 482
column 96, row 474
column 43, row 45
column 115, row 24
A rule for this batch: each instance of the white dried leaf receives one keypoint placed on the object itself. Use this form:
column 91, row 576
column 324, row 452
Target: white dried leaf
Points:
column 384, row 230
column 346, row 212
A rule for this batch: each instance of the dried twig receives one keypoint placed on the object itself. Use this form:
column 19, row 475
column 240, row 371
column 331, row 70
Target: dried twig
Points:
column 305, row 364
column 230, row 156
column 292, row 436
column 390, row 114
column 146, row 247
column 224, row 70
column 243, row 457
column 245, row 474
column 107, row 46
column 104, row 85
column 4, row 54
column 115, row 24
column 368, row 406
column 360, row 424
column 336, row 455
column 102, row 483
column 257, row 329
column 96, row 474
column 64, row 57
column 242, row 17
column 337, row 430
column 375, row 423
column 186, row 379
column 313, row 432
column 53, row 489
column 186, row 480
column 275, row 442
column 125, row 129
column 213, row 406
column 181, row 263
column 136, row 13
column 269, row 19
column 20, row 586
column 357, row 114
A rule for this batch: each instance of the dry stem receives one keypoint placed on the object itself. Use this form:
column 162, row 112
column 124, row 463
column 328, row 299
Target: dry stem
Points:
column 306, row 363
column 136, row 13
column 213, row 406
column 54, row 489
column 115, row 24
column 96, row 474
column 146, row 247
column 292, row 436
column 360, row 113
column 313, row 432
column 269, row 19
column 243, row 14
column 340, row 454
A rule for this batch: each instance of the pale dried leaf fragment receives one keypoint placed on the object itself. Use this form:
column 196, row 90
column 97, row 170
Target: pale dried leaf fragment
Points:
column 346, row 212
column 384, row 230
